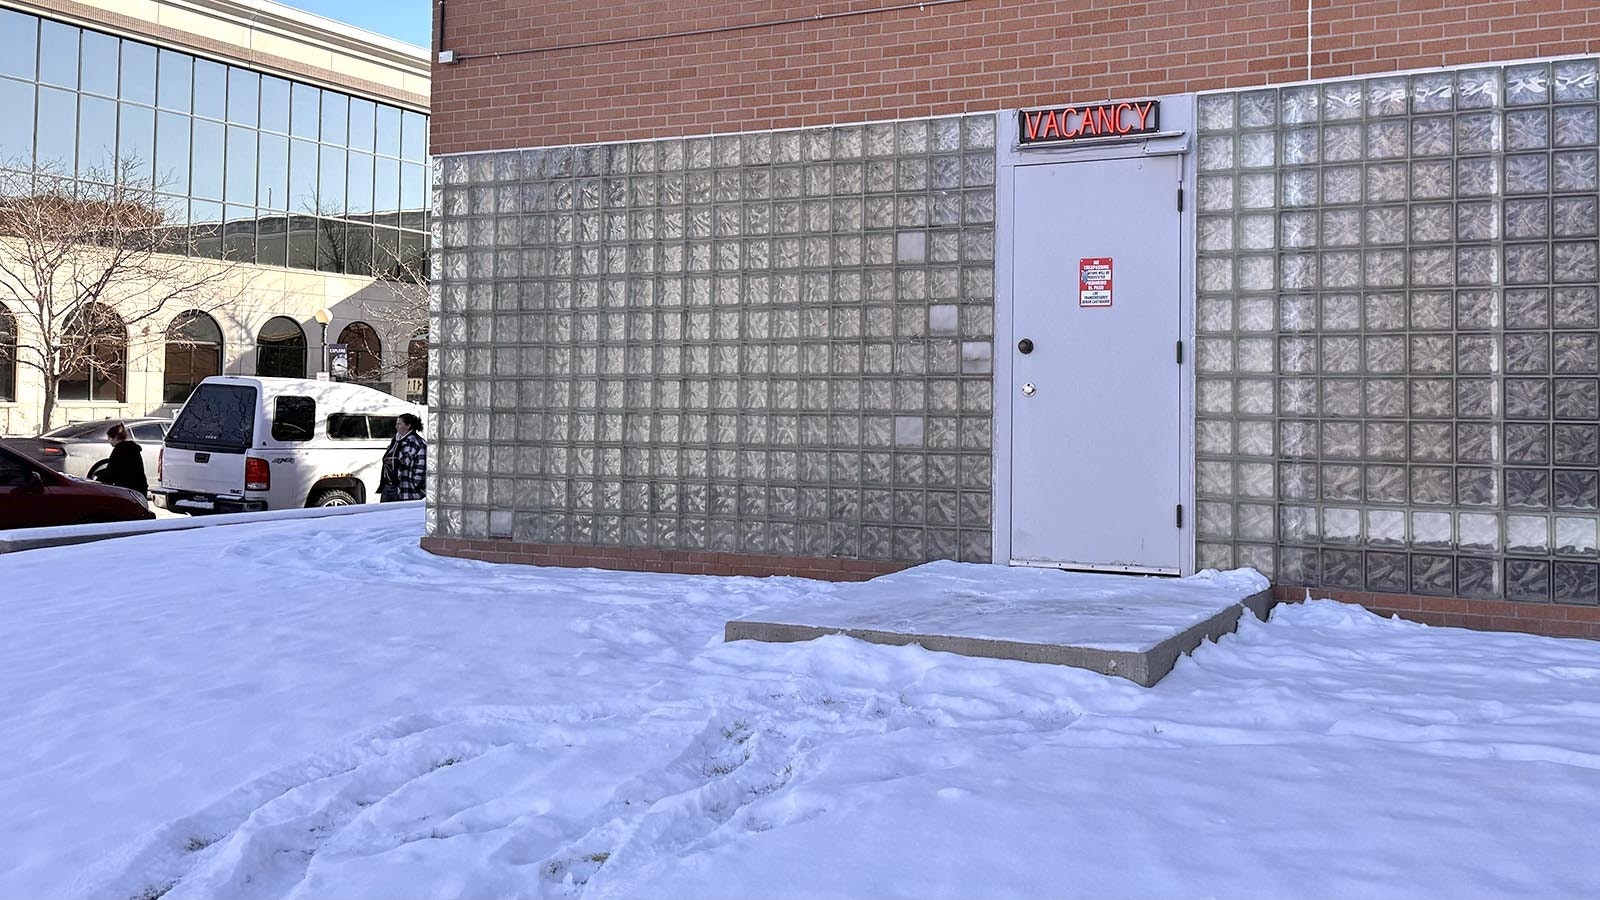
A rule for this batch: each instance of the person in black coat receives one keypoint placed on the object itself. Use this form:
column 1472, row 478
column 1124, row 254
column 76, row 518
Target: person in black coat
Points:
column 125, row 468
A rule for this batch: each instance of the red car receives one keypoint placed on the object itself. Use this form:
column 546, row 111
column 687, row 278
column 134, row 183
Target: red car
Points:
column 32, row 494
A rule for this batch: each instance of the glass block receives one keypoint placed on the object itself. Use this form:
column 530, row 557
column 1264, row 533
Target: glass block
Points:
column 1576, row 444
column 1528, row 579
column 1302, row 146
column 1576, row 583
column 1574, row 170
column 1527, row 85
column 1527, row 129
column 1574, row 80
column 1216, row 153
column 1216, row 111
column 1259, row 191
column 1341, row 525
column 1342, row 143
column 1575, row 536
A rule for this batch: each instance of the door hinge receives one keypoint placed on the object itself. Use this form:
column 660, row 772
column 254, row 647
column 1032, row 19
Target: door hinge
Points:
column 1180, row 515
column 1180, row 199
column 1180, row 353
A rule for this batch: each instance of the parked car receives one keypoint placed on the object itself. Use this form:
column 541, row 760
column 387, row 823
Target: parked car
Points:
column 242, row 444
column 78, row 448
column 32, row 494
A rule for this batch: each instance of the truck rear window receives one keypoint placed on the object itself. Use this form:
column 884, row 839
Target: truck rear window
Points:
column 217, row 417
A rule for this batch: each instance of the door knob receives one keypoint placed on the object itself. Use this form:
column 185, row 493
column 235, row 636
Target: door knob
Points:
column 1028, row 390
column 1025, row 346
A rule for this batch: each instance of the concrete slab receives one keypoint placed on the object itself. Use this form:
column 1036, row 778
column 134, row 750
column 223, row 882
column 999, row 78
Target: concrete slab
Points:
column 1124, row 625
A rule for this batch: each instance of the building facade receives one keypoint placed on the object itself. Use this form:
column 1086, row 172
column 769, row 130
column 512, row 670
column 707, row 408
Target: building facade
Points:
column 1141, row 287
column 291, row 146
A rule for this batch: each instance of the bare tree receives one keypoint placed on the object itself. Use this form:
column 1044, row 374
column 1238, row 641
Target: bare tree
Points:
column 401, row 308
column 89, row 262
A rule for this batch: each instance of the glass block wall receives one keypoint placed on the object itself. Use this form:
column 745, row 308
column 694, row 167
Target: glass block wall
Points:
column 1398, row 342
column 768, row 343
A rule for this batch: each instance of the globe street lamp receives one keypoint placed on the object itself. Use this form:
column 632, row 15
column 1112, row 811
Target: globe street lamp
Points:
column 323, row 318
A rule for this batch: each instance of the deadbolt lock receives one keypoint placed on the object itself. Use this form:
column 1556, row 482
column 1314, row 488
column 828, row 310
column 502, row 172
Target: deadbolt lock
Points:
column 1025, row 346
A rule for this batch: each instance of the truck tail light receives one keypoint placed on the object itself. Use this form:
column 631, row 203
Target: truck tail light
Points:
column 161, row 459
column 257, row 477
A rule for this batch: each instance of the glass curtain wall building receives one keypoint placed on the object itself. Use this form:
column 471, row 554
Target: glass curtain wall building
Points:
column 248, row 166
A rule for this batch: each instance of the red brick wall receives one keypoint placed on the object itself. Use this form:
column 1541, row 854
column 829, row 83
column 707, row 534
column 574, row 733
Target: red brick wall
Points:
column 679, row 562
column 964, row 56
column 1549, row 619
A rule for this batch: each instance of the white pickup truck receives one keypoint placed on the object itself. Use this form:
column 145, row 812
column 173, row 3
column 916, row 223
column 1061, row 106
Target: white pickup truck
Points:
column 242, row 444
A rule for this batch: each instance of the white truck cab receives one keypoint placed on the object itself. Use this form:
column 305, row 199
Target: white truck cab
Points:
column 244, row 443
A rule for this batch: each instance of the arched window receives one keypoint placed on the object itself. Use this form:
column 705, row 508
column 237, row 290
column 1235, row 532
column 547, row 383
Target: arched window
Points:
column 8, row 356
column 94, row 349
column 281, row 349
column 365, row 353
column 417, row 367
column 194, row 352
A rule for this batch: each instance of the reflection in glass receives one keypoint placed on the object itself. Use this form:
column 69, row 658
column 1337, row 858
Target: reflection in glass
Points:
column 302, row 176
column 363, row 124
column 173, row 235
column 302, row 252
column 16, row 144
column 358, row 250
column 205, row 163
column 281, row 349
column 388, row 131
column 19, row 44
column 205, row 229
column 100, row 62
column 335, row 118
column 172, row 152
column 57, row 130
column 174, row 76
column 304, row 111
column 194, row 353
column 414, row 137
column 274, row 104
column 272, row 243
column 386, row 192
column 239, row 234
column 136, row 142
column 58, row 54
column 360, row 185
column 272, row 191
column 243, row 88
column 241, row 186
column 413, row 256
column 330, row 184
column 210, row 89
column 386, row 252
column 413, row 195
column 138, row 73
column 97, row 138
column 332, row 245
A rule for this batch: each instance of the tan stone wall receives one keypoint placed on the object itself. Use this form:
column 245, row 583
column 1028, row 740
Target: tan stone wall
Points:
column 258, row 294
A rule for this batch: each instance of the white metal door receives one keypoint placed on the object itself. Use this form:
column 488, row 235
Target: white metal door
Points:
column 1096, row 428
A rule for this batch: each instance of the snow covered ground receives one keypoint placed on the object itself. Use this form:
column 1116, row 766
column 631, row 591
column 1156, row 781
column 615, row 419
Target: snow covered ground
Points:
column 320, row 709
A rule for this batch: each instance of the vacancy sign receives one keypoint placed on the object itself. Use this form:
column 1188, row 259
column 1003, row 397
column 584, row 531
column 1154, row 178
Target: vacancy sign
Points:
column 1094, row 281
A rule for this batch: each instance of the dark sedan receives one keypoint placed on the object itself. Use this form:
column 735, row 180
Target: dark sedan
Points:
column 32, row 494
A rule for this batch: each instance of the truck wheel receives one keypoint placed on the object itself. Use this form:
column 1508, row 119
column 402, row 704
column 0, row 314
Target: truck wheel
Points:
column 334, row 497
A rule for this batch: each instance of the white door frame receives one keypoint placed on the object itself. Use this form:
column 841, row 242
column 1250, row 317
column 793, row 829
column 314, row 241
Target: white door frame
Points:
column 1175, row 137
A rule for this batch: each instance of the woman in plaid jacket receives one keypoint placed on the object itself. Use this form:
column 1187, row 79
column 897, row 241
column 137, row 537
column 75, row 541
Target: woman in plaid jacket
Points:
column 405, row 463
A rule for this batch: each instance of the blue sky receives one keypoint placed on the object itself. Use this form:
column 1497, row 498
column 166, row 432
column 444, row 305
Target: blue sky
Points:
column 408, row 20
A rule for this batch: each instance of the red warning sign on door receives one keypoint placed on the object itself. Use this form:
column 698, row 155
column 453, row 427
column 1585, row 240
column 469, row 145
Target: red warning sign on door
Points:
column 1094, row 281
